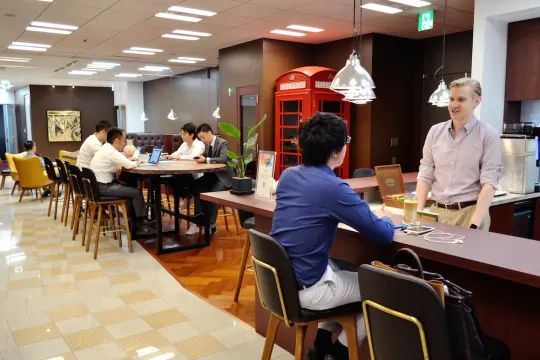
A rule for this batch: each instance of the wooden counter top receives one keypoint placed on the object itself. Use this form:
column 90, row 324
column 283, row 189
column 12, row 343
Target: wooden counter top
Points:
column 502, row 256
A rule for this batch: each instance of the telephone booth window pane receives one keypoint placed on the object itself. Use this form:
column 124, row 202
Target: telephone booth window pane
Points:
column 330, row 106
column 290, row 106
column 289, row 146
column 290, row 134
column 291, row 120
column 290, row 160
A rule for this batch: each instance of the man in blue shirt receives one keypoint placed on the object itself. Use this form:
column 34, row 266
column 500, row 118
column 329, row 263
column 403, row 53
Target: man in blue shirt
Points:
column 310, row 203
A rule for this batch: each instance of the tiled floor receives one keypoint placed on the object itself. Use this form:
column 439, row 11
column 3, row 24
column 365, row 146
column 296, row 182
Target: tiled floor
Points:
column 57, row 302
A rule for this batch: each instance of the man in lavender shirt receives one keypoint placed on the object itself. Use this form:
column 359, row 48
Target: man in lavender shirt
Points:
column 461, row 162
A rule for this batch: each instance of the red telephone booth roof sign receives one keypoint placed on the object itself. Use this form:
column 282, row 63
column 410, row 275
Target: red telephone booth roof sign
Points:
column 309, row 71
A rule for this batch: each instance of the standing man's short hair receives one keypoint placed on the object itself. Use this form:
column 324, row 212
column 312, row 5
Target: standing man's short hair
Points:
column 475, row 84
column 114, row 134
column 204, row 128
column 103, row 125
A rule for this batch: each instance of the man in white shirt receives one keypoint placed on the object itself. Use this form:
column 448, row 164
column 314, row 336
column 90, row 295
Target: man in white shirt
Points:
column 105, row 164
column 92, row 144
column 191, row 147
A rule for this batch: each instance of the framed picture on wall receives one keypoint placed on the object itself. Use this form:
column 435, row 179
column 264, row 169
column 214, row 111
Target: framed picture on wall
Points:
column 64, row 125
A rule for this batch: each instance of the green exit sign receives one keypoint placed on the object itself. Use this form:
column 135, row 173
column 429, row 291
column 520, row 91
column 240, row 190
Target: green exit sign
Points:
column 425, row 20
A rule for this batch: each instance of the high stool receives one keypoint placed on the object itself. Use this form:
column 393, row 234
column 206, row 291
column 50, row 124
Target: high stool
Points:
column 75, row 175
column 55, row 187
column 278, row 293
column 68, row 191
column 248, row 222
column 97, row 204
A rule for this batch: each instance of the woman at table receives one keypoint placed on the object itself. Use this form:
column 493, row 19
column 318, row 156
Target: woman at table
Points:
column 191, row 147
column 310, row 203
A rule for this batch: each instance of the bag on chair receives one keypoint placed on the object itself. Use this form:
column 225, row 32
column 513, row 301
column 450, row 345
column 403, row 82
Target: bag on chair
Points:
column 468, row 341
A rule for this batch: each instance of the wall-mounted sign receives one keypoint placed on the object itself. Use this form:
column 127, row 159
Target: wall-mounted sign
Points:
column 5, row 84
column 425, row 20
column 323, row 84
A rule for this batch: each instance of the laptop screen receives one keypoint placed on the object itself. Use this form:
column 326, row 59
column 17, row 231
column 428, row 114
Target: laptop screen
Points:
column 154, row 158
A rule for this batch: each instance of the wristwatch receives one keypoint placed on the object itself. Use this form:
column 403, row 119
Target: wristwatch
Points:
column 473, row 226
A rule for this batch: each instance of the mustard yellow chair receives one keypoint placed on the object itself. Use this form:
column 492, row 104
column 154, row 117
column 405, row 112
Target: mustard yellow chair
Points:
column 62, row 157
column 31, row 175
column 12, row 170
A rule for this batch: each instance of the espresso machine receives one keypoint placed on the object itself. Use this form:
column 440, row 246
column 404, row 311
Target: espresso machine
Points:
column 521, row 157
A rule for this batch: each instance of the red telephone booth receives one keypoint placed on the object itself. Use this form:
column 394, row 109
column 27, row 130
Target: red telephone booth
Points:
column 300, row 94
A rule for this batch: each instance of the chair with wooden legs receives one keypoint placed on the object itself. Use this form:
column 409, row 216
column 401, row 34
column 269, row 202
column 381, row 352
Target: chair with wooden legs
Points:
column 13, row 170
column 278, row 293
column 97, row 204
column 55, row 187
column 4, row 173
column 31, row 176
column 234, row 214
column 247, row 220
column 68, row 191
column 75, row 175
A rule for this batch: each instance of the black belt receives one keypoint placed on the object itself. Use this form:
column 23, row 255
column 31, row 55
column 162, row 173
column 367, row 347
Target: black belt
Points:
column 456, row 206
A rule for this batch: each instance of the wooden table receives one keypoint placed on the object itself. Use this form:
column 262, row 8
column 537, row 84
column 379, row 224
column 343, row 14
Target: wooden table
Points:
column 503, row 272
column 154, row 174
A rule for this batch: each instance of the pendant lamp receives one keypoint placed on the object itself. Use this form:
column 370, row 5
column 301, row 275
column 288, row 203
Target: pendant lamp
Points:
column 172, row 115
column 215, row 114
column 144, row 117
column 353, row 81
column 441, row 96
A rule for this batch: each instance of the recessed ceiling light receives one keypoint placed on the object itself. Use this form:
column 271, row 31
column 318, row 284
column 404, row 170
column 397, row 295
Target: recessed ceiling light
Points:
column 145, row 49
column 286, row 32
column 382, row 8
column 81, row 72
column 127, row 75
column 94, row 69
column 181, row 37
column 46, row 30
column 18, row 66
column 54, row 26
column 190, row 58
column 304, row 28
column 187, row 32
column 138, row 52
column 102, row 65
column 192, row 11
column 29, row 48
column 178, row 17
column 154, row 68
column 415, row 3
column 18, row 43
column 13, row 59
column 46, row 1
column 183, row 61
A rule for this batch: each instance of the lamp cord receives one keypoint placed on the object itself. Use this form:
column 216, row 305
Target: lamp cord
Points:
column 170, row 92
column 355, row 34
column 443, row 43
column 360, row 36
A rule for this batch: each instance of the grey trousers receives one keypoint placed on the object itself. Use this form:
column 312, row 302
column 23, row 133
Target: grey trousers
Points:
column 134, row 197
column 207, row 183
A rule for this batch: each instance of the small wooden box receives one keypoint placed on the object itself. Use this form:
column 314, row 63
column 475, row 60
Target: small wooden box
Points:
column 390, row 182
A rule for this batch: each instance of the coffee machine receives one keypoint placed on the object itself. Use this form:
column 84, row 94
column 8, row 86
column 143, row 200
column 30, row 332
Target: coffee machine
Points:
column 521, row 157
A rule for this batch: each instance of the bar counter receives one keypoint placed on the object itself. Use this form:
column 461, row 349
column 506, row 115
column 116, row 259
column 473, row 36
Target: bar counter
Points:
column 502, row 271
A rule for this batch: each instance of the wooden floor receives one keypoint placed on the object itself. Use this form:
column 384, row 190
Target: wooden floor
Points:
column 212, row 272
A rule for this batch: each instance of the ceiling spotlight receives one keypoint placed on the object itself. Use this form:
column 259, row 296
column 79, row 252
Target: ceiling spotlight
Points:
column 178, row 17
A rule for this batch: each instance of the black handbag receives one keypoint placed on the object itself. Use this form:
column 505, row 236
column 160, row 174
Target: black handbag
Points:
column 466, row 337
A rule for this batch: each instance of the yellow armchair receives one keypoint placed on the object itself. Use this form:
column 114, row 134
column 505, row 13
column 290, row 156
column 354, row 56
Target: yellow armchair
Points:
column 12, row 169
column 31, row 175
column 64, row 159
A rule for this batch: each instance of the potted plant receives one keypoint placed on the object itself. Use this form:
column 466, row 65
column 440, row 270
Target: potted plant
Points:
column 240, row 183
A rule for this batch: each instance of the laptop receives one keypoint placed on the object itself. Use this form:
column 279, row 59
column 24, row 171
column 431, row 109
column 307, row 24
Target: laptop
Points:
column 137, row 152
column 154, row 157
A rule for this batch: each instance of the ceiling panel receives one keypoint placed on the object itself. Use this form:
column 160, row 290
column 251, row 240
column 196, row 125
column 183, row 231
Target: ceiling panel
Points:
column 212, row 5
column 227, row 20
column 252, row 11
column 23, row 5
column 260, row 26
column 122, row 17
column 112, row 26
column 137, row 7
column 291, row 17
column 98, row 4
column 323, row 8
column 281, row 4
column 62, row 11
column 80, row 42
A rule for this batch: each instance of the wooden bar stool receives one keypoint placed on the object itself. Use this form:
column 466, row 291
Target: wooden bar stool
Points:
column 97, row 204
column 68, row 191
column 278, row 293
column 55, row 187
column 248, row 222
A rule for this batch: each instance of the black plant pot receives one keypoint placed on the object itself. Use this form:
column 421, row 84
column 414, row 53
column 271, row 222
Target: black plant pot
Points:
column 241, row 186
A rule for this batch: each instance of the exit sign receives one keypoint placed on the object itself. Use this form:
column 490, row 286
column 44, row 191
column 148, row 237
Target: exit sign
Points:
column 425, row 20
column 4, row 84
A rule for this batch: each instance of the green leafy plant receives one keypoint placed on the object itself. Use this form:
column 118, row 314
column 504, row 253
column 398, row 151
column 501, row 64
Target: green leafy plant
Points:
column 246, row 150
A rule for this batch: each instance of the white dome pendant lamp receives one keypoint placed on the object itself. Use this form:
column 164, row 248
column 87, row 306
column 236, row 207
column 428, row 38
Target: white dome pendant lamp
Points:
column 441, row 96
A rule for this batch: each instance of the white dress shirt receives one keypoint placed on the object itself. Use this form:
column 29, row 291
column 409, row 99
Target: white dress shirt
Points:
column 88, row 150
column 212, row 145
column 105, row 162
column 196, row 149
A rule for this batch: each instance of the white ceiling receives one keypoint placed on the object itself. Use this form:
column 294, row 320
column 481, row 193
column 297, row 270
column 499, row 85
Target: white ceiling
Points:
column 106, row 27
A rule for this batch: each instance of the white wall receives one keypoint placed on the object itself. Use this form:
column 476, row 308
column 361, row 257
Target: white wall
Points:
column 130, row 95
column 7, row 97
column 490, row 32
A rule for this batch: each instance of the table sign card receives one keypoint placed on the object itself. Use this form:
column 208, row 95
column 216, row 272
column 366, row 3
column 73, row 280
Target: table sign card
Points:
column 265, row 173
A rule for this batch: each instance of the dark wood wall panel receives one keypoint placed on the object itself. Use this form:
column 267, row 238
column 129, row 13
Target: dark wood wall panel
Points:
column 523, row 61
column 94, row 103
